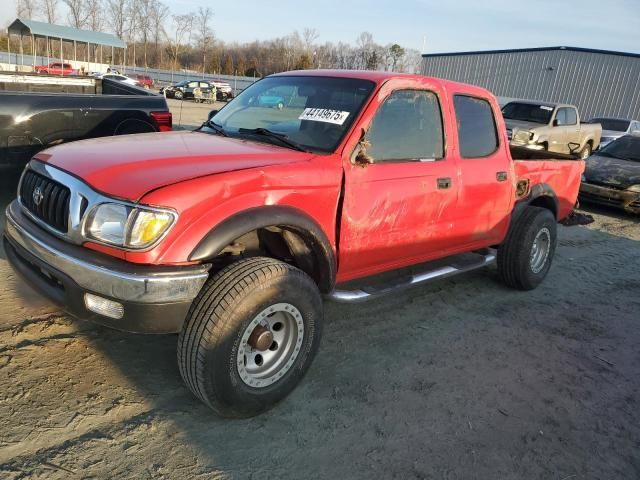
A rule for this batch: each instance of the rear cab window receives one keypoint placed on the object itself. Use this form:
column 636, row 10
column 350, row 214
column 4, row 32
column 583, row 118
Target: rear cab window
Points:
column 477, row 128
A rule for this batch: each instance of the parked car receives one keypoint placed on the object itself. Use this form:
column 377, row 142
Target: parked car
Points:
column 223, row 90
column 35, row 115
column 184, row 90
column 232, row 233
column 120, row 78
column 551, row 127
column 614, row 128
column 56, row 68
column 144, row 80
column 612, row 176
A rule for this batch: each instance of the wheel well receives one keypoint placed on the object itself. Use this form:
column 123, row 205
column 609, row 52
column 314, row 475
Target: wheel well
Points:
column 545, row 201
column 282, row 242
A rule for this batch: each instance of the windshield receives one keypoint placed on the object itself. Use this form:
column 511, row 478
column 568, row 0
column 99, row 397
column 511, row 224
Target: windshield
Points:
column 624, row 148
column 313, row 112
column 527, row 112
column 612, row 124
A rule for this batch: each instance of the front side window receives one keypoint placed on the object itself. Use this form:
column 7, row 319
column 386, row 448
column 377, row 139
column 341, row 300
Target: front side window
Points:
column 477, row 132
column 561, row 117
column 313, row 112
column 572, row 116
column 407, row 127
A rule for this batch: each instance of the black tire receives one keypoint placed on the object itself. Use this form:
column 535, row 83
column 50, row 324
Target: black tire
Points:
column 208, row 345
column 585, row 152
column 515, row 264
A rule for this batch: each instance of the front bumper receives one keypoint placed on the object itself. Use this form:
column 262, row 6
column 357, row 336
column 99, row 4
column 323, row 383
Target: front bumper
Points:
column 156, row 299
column 629, row 201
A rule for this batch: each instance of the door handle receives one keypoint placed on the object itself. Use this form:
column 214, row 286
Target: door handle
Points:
column 444, row 183
column 502, row 176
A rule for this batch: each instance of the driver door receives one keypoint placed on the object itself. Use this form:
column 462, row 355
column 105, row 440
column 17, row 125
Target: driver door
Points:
column 396, row 209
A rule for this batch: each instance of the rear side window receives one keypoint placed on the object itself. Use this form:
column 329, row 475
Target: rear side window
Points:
column 477, row 132
column 407, row 127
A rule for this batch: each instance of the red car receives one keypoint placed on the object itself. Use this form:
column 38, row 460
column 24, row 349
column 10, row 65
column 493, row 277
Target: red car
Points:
column 144, row 80
column 232, row 234
column 56, row 69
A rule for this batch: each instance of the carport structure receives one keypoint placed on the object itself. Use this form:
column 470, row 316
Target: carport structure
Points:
column 58, row 35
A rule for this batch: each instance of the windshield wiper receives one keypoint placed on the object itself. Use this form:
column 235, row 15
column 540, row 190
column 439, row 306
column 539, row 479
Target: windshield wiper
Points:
column 218, row 128
column 281, row 137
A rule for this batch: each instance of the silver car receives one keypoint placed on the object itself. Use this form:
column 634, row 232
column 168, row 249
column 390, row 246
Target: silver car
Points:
column 614, row 128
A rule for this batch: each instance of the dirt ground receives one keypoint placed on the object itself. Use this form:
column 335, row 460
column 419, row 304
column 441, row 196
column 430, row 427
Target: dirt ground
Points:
column 459, row 379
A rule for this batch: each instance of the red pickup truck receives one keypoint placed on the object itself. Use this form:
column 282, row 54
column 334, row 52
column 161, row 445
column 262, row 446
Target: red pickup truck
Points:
column 231, row 234
column 56, row 69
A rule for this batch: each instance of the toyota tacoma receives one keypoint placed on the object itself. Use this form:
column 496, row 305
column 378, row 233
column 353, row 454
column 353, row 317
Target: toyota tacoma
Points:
column 231, row 235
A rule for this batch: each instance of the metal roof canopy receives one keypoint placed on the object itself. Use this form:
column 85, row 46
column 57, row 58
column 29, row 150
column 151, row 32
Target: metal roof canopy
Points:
column 48, row 30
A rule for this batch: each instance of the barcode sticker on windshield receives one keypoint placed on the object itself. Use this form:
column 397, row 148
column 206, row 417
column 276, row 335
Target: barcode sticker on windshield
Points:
column 336, row 117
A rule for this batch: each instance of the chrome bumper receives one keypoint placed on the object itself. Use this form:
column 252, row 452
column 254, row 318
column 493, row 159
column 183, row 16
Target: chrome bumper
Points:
column 115, row 279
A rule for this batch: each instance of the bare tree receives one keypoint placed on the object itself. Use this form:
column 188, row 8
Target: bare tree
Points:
column 205, row 32
column 26, row 9
column 117, row 13
column 95, row 15
column 158, row 16
column 78, row 12
column 309, row 37
column 49, row 10
column 182, row 24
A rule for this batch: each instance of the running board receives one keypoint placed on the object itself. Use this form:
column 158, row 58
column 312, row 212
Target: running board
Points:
column 488, row 257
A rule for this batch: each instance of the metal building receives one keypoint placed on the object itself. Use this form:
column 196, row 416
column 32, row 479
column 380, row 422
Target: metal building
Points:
column 599, row 82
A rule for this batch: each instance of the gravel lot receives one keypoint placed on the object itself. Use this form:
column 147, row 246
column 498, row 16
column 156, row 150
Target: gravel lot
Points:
column 462, row 378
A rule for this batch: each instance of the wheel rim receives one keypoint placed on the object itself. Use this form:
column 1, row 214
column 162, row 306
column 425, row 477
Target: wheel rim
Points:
column 586, row 153
column 540, row 250
column 258, row 367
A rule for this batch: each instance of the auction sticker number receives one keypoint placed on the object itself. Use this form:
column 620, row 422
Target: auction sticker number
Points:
column 336, row 117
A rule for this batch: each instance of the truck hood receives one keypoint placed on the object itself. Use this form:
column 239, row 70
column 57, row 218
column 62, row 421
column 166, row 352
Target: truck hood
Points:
column 130, row 166
column 522, row 125
column 612, row 171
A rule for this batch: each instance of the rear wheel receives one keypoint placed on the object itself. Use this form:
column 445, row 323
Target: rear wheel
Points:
column 250, row 336
column 585, row 152
column 524, row 259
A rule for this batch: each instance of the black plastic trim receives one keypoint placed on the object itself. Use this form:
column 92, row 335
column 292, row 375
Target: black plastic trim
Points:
column 271, row 216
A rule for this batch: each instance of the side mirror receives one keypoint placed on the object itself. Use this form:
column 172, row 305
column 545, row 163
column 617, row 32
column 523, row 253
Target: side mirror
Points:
column 359, row 156
column 556, row 123
column 212, row 114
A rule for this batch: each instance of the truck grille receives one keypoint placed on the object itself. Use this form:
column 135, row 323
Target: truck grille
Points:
column 46, row 199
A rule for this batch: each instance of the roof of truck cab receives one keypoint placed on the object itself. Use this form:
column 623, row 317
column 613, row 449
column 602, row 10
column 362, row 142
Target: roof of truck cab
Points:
column 381, row 77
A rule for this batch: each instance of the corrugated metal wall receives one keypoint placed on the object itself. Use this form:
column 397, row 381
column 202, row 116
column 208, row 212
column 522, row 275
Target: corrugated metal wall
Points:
column 600, row 84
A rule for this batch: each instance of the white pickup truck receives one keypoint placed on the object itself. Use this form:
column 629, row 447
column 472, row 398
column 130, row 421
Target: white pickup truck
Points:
column 551, row 127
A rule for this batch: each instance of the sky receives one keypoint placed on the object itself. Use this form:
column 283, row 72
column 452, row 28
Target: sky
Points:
column 430, row 26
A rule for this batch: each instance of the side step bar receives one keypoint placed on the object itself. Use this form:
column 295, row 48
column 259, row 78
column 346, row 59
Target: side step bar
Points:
column 487, row 257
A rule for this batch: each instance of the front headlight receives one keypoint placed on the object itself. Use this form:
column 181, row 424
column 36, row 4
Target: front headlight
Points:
column 127, row 226
column 634, row 188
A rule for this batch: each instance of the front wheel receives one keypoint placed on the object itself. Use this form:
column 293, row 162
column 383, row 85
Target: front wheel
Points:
column 585, row 152
column 178, row 95
column 524, row 259
column 250, row 336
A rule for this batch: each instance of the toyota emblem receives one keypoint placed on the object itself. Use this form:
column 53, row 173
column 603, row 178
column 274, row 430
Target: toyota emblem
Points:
column 37, row 196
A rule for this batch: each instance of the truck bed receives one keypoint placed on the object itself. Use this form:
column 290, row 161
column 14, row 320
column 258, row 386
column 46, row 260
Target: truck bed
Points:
column 39, row 111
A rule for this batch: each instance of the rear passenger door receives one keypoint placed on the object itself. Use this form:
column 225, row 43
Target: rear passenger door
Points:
column 485, row 186
column 396, row 209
